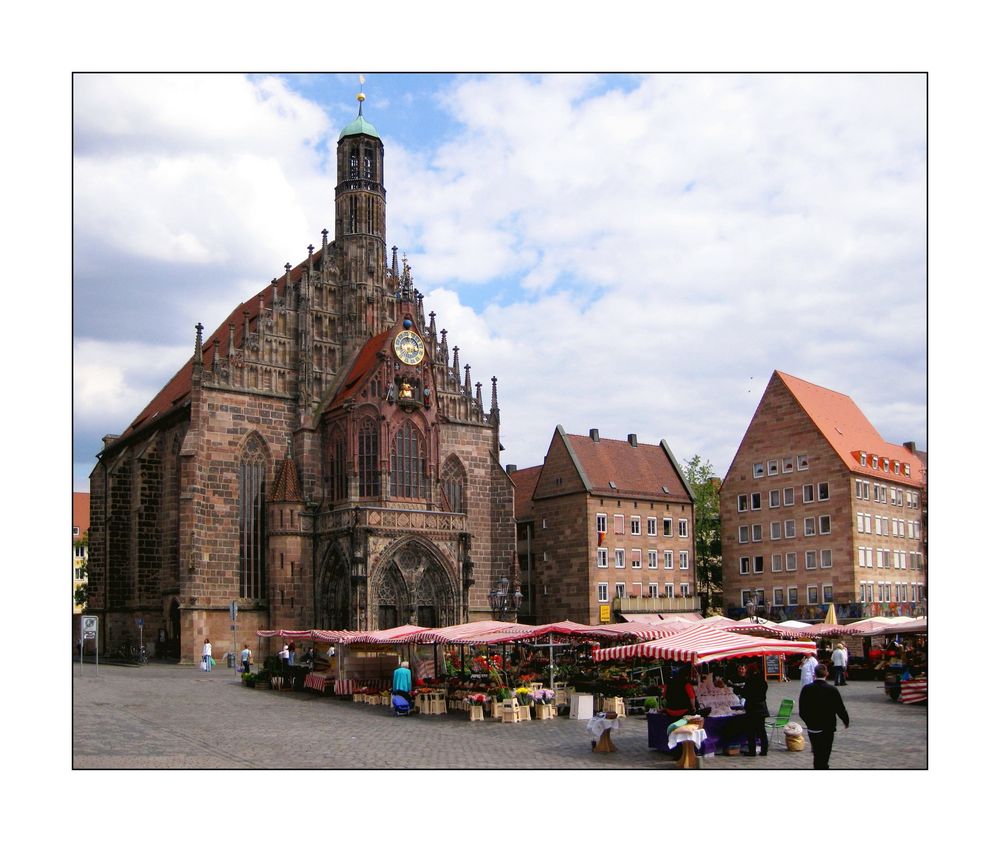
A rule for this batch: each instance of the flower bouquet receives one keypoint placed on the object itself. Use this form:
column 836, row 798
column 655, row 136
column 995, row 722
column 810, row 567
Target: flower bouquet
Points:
column 543, row 696
column 476, row 699
column 523, row 696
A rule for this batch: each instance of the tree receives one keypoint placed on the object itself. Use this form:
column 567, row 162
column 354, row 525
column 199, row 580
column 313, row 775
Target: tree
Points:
column 704, row 486
column 80, row 591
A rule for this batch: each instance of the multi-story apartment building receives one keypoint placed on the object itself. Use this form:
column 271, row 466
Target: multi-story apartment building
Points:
column 818, row 509
column 604, row 528
column 81, row 525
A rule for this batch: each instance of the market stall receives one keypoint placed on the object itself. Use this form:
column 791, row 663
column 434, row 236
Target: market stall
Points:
column 697, row 646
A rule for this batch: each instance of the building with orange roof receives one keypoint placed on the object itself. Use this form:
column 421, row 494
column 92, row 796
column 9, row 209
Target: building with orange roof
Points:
column 818, row 509
column 322, row 460
column 605, row 530
column 81, row 526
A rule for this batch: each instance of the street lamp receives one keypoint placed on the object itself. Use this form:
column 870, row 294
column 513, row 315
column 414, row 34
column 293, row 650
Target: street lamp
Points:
column 503, row 601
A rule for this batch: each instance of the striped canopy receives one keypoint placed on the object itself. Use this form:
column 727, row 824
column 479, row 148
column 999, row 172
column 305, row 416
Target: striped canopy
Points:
column 469, row 632
column 702, row 644
column 399, row 634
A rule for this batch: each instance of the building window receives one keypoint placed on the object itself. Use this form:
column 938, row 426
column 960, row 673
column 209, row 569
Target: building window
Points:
column 789, row 528
column 80, row 550
column 652, row 559
column 758, row 564
column 668, row 559
column 602, row 557
column 755, row 501
column 810, row 559
column 453, row 485
column 636, row 526
column 602, row 591
column 776, row 563
column 619, row 590
column 602, row 524
column 682, row 528
column 654, row 590
column 756, row 532
column 668, row 590
column 619, row 524
column 76, row 531
column 338, row 467
column 775, row 530
column 774, row 498
column 619, row 558
column 793, row 596
column 789, row 496
column 758, row 470
column 772, row 467
column 636, row 559
column 791, row 561
column 668, row 527
column 809, row 526
column 683, row 560
column 825, row 525
column 253, row 527
column 827, row 593
column 685, row 589
column 823, row 491
column 826, row 558
column 778, row 596
column 408, row 463
column 802, row 462
column 368, row 476
column 812, row 595
column 744, row 565
column 651, row 526
column 807, row 493
column 787, row 465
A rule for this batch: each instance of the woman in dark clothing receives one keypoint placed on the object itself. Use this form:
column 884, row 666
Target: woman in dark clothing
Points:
column 678, row 695
column 755, row 694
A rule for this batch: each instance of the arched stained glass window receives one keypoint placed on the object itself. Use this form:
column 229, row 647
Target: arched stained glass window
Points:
column 453, row 484
column 252, row 480
column 368, row 478
column 409, row 463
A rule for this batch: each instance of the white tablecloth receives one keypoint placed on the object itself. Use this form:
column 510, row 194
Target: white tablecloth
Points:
column 598, row 725
column 678, row 736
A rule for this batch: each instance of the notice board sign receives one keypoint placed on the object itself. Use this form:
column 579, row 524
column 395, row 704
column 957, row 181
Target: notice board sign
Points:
column 772, row 667
column 605, row 613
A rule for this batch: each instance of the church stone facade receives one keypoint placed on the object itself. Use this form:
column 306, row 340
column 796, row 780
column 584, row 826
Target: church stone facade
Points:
column 323, row 459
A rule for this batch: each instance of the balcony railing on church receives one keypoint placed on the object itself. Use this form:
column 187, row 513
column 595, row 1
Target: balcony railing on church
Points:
column 373, row 517
column 655, row 604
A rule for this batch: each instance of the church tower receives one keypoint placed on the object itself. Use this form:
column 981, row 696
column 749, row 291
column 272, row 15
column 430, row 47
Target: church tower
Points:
column 359, row 232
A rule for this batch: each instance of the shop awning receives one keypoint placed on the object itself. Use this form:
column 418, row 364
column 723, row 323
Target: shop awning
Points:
column 702, row 644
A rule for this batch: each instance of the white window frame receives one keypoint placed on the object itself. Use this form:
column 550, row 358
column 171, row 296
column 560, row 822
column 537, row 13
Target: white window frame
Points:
column 636, row 527
column 602, row 523
column 787, row 464
column 802, row 462
column 778, row 596
column 685, row 589
column 772, row 467
column 808, row 527
column 755, row 501
column 774, row 498
column 756, row 533
column 775, row 530
column 791, row 561
column 758, row 470
column 636, row 559
column 682, row 560
column 602, row 556
column 812, row 595
column 668, row 590
column 651, row 527
column 825, row 600
column 826, row 558
column 668, row 559
column 619, row 558
column 788, row 495
column 807, row 565
column 602, row 592
column 619, row 524
column 777, row 562
column 745, row 565
column 619, row 590
column 682, row 527
column 652, row 559
column 808, row 493
column 790, row 528
column 827, row 520
column 793, row 595
column 653, row 590
column 668, row 527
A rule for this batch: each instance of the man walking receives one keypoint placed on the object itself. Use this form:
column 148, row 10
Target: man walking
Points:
column 839, row 663
column 809, row 664
column 819, row 706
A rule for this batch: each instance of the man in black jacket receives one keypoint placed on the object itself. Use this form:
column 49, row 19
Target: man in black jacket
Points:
column 755, row 694
column 819, row 706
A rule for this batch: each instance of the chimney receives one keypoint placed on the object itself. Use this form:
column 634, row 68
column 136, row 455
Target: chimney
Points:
column 911, row 446
column 595, row 434
column 511, row 468
column 633, row 440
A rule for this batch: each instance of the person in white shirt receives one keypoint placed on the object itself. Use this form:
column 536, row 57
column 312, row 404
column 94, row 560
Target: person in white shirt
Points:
column 809, row 665
column 839, row 663
column 206, row 655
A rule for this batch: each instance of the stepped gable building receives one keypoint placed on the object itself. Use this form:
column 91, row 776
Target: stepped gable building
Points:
column 605, row 530
column 818, row 509
column 323, row 459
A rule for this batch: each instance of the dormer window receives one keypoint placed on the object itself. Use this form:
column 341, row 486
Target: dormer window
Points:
column 906, row 469
column 895, row 467
column 885, row 464
column 864, row 459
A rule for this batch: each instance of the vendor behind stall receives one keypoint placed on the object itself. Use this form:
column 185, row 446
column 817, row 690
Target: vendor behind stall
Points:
column 678, row 695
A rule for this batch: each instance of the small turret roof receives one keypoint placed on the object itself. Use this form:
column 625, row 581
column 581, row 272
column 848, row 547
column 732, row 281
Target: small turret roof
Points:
column 359, row 126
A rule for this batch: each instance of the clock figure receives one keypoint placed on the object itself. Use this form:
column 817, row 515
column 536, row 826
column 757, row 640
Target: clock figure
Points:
column 409, row 347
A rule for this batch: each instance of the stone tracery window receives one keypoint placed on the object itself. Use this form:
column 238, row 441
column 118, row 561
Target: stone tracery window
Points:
column 409, row 463
column 453, row 484
column 252, row 477
column 338, row 465
column 368, row 476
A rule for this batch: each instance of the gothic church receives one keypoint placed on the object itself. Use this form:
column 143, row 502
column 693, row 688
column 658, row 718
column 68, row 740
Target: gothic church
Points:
column 323, row 459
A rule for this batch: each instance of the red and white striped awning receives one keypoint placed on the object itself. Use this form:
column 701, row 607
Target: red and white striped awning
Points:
column 399, row 634
column 702, row 644
column 913, row 690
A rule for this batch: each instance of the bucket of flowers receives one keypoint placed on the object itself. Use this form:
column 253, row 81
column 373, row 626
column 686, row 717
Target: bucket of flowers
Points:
column 523, row 696
column 476, row 702
column 543, row 696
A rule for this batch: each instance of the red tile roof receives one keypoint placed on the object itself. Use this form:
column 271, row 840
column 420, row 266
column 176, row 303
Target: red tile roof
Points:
column 642, row 470
column 524, row 481
column 286, row 487
column 364, row 364
column 81, row 511
column 848, row 431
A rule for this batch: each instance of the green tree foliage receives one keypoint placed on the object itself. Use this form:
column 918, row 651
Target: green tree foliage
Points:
column 80, row 591
column 704, row 485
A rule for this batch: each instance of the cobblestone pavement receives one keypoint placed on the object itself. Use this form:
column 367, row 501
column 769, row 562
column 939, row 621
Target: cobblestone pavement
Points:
column 172, row 717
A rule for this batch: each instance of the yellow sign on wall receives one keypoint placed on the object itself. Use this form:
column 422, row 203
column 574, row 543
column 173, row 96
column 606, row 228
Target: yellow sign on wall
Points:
column 605, row 613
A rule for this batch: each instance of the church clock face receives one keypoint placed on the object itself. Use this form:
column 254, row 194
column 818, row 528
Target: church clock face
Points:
column 409, row 347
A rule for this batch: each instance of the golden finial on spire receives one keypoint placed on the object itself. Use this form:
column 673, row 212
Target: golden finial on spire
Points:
column 361, row 93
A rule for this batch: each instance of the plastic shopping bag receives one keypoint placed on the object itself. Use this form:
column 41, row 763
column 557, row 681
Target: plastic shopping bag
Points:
column 212, row 660
column 204, row 666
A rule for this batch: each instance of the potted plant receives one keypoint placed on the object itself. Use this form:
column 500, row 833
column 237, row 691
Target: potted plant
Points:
column 249, row 679
column 651, row 705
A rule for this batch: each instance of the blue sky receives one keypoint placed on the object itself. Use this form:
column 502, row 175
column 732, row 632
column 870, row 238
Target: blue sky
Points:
column 630, row 252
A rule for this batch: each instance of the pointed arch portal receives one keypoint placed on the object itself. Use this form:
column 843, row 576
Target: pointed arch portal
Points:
column 412, row 586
